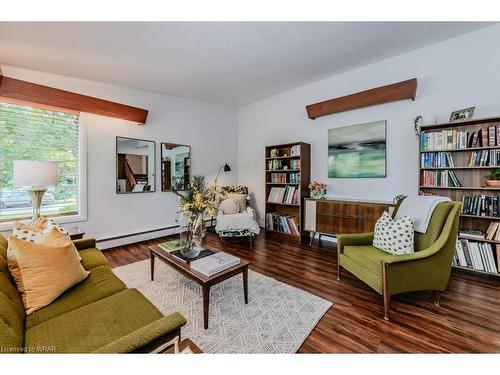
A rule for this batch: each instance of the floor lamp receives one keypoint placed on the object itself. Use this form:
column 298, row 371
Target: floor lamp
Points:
column 37, row 175
column 225, row 168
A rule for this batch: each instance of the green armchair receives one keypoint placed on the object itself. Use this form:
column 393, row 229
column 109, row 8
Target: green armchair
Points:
column 428, row 268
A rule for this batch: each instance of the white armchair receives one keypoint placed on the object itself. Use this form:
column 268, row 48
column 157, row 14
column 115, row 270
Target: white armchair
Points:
column 237, row 225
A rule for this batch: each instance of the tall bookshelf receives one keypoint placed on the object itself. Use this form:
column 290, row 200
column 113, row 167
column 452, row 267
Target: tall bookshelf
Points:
column 288, row 161
column 471, row 177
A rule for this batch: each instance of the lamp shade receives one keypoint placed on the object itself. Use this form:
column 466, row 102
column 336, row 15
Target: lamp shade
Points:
column 35, row 173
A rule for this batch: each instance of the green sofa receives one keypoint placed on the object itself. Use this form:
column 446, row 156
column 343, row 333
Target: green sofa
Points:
column 428, row 268
column 98, row 315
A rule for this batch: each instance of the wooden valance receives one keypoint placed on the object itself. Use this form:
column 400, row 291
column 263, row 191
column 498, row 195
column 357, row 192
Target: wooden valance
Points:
column 379, row 95
column 15, row 90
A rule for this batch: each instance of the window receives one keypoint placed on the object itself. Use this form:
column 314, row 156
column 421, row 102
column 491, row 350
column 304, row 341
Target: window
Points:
column 39, row 134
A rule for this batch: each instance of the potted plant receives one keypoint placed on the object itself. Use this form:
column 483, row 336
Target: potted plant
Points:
column 493, row 179
column 317, row 189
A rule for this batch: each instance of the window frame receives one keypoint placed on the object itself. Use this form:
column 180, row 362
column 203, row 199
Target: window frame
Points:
column 82, row 196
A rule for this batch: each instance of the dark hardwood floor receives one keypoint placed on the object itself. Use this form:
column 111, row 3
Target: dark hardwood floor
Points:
column 468, row 320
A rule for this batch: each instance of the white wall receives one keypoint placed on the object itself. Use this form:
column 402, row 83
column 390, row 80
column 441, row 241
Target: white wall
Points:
column 453, row 74
column 210, row 129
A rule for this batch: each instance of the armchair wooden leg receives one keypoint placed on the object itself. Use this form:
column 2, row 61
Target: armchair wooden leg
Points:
column 339, row 267
column 437, row 297
column 386, row 292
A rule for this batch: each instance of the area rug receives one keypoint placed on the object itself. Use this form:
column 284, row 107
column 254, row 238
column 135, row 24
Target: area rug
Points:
column 277, row 319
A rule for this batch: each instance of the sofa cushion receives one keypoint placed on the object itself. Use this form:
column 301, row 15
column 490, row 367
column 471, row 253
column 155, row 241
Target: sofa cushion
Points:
column 368, row 257
column 95, row 325
column 92, row 258
column 11, row 313
column 3, row 247
column 42, row 272
column 101, row 283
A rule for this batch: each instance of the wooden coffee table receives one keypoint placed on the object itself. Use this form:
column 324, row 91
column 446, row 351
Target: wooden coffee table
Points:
column 204, row 281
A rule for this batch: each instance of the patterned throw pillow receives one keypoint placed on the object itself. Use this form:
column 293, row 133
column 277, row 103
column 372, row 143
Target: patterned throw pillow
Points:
column 33, row 233
column 394, row 236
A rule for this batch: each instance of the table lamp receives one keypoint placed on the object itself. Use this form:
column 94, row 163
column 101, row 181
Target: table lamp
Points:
column 36, row 175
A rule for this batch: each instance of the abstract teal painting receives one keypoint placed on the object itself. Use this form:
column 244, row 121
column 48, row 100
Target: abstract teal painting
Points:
column 357, row 151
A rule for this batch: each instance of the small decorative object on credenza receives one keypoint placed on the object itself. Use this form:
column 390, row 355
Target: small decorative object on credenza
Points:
column 317, row 190
column 493, row 178
column 462, row 114
column 37, row 175
column 196, row 201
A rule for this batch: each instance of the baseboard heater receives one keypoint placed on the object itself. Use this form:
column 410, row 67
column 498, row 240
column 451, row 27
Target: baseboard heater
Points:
column 139, row 233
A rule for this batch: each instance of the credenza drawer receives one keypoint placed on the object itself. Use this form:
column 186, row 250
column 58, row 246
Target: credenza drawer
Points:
column 336, row 224
column 371, row 211
column 337, row 208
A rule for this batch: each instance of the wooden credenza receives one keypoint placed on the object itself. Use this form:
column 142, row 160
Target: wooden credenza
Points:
column 341, row 216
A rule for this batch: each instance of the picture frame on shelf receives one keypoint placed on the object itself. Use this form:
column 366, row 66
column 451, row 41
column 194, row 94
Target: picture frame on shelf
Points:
column 462, row 114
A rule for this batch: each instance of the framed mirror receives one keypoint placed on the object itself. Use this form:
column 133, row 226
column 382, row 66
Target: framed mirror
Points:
column 135, row 165
column 175, row 166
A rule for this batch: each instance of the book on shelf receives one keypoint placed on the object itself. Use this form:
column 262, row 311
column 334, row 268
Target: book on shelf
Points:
column 476, row 255
column 288, row 195
column 278, row 177
column 444, row 178
column 295, row 164
column 436, row 160
column 481, row 205
column 484, row 158
column 295, row 150
column 279, row 222
column 446, row 139
column 493, row 231
column 215, row 263
column 275, row 165
column 294, row 178
column 472, row 234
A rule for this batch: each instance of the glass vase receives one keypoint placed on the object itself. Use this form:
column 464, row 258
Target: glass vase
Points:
column 317, row 194
column 192, row 237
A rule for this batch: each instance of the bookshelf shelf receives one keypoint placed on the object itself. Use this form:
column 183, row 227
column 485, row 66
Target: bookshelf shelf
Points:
column 283, row 183
column 476, row 271
column 284, row 157
column 283, row 204
column 481, row 217
column 444, row 168
column 460, row 187
column 295, row 176
column 282, row 170
column 482, row 136
column 462, row 149
column 478, row 239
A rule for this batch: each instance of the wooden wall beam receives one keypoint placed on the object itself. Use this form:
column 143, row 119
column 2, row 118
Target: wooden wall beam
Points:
column 380, row 95
column 17, row 91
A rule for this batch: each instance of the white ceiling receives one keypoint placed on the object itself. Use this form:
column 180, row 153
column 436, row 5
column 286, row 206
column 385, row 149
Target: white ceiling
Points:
column 234, row 63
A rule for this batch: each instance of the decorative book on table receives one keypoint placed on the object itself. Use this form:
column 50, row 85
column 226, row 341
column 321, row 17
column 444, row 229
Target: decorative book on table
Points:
column 171, row 246
column 215, row 263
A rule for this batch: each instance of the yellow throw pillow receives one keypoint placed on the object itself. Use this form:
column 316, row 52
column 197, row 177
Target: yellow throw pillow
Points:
column 44, row 270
